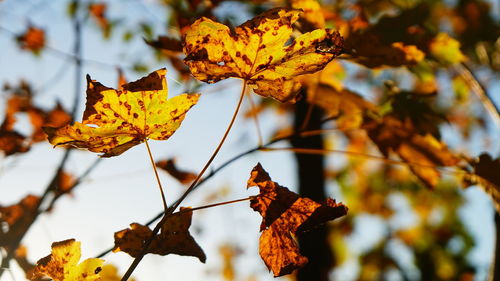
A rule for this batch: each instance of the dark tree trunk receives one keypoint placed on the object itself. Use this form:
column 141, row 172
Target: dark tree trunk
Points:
column 311, row 181
column 496, row 261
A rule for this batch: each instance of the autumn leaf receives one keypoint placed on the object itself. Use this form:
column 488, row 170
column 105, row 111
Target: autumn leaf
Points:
column 11, row 141
column 174, row 238
column 183, row 177
column 259, row 52
column 347, row 107
column 116, row 120
column 312, row 13
column 33, row 39
column 62, row 264
column 98, row 12
column 487, row 174
column 377, row 54
column 424, row 151
column 284, row 215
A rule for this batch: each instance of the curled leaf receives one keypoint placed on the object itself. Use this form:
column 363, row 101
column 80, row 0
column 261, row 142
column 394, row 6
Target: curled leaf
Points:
column 259, row 51
column 285, row 214
column 62, row 264
column 116, row 120
column 183, row 177
column 174, row 238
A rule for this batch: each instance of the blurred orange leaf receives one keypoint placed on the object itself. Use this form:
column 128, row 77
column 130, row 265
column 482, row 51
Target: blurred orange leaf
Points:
column 424, row 151
column 116, row 120
column 259, row 52
column 174, row 238
column 285, row 214
column 33, row 39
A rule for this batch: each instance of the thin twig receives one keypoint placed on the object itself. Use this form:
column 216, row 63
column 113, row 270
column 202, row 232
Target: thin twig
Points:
column 219, row 204
column 168, row 212
column 480, row 91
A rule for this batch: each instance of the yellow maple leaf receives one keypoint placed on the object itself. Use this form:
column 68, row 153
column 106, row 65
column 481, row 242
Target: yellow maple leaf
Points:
column 62, row 264
column 259, row 51
column 116, row 120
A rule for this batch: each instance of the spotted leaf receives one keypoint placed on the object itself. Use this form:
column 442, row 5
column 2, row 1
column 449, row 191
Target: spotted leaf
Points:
column 62, row 264
column 260, row 51
column 116, row 120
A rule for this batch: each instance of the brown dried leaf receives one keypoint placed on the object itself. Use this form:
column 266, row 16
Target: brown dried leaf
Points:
column 168, row 165
column 285, row 214
column 487, row 170
column 174, row 238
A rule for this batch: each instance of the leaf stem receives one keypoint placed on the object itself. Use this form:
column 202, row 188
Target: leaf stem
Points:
column 169, row 211
column 165, row 207
column 216, row 151
column 220, row 204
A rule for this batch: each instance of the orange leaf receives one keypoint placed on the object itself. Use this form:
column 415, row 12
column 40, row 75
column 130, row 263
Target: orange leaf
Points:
column 259, row 52
column 285, row 214
column 116, row 120
column 62, row 264
column 32, row 40
column 174, row 238
column 168, row 165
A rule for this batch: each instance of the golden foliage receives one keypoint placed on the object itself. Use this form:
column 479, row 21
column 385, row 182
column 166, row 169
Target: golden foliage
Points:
column 116, row 120
column 259, row 52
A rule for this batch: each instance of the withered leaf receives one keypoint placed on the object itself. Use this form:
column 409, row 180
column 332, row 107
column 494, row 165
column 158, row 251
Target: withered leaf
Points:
column 62, row 264
column 183, row 177
column 174, row 238
column 259, row 52
column 284, row 215
column 116, row 120
column 425, row 152
column 487, row 170
column 11, row 141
